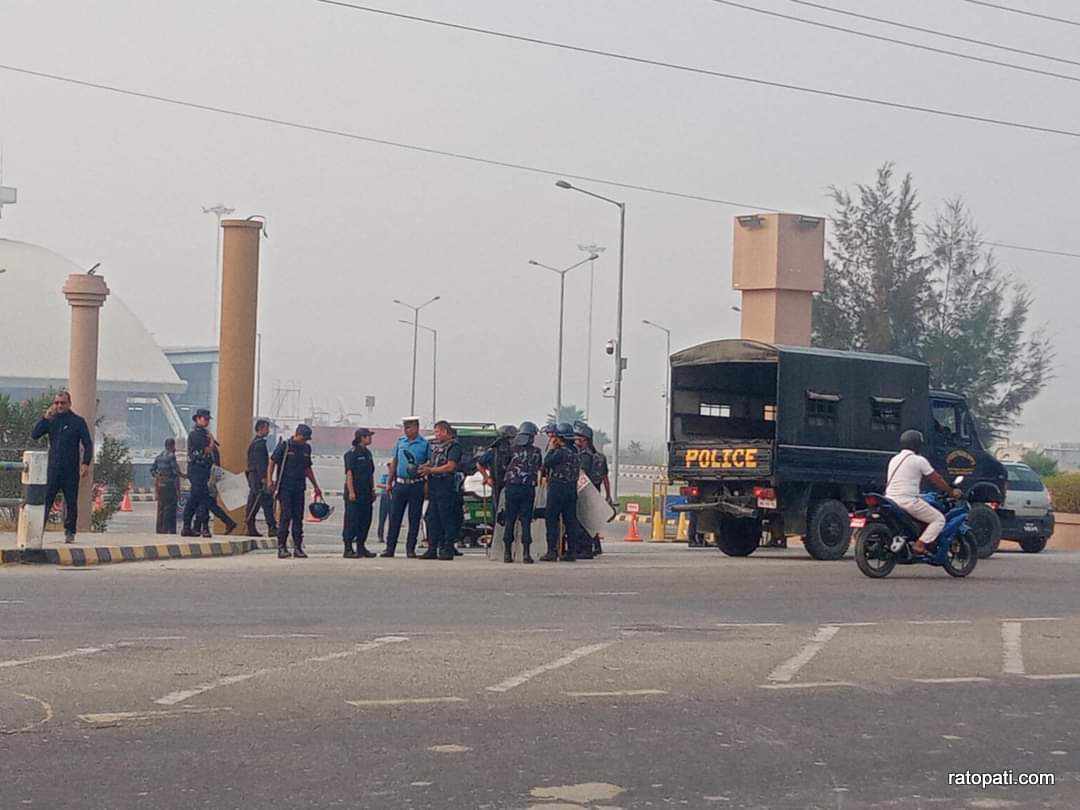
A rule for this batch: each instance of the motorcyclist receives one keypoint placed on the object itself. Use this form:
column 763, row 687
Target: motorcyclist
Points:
column 907, row 469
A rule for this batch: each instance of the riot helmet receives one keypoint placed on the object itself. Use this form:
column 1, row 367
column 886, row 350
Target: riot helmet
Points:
column 565, row 431
column 911, row 440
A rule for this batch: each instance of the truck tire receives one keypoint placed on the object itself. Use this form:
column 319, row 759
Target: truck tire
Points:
column 828, row 532
column 1033, row 545
column 738, row 537
column 986, row 527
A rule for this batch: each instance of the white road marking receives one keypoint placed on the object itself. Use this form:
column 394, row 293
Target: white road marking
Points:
column 1036, row 619
column 1011, row 649
column 282, row 635
column 970, row 679
column 852, row 624
column 751, row 624
column 787, row 670
column 621, row 693
column 12, row 602
column 46, row 712
column 181, row 695
column 941, row 621
column 528, row 675
column 807, row 685
column 112, row 718
column 449, row 749
column 405, row 701
column 156, row 638
column 1064, row 676
column 76, row 653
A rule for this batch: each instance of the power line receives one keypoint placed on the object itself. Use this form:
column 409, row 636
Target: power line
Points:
column 265, row 119
column 1025, row 12
column 935, row 32
column 713, row 73
column 905, row 43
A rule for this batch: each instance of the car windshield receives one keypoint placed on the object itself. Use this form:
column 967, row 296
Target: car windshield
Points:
column 1024, row 479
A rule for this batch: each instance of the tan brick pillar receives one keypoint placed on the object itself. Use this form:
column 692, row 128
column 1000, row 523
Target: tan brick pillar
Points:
column 86, row 295
column 236, row 346
column 778, row 265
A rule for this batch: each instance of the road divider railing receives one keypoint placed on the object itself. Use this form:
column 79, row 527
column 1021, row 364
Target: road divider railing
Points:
column 31, row 524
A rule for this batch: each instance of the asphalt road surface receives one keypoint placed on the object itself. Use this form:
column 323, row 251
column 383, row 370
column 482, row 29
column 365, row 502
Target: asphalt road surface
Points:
column 656, row 676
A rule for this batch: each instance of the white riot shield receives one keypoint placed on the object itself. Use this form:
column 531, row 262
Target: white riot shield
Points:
column 539, row 528
column 593, row 512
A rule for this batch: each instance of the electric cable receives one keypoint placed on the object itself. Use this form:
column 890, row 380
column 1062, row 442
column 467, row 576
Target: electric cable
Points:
column 1024, row 12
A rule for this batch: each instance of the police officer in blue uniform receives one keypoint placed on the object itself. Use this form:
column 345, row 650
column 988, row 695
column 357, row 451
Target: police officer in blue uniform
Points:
column 442, row 497
column 291, row 460
column 560, row 468
column 258, row 462
column 406, row 486
column 359, row 494
column 595, row 466
column 519, row 486
column 200, row 449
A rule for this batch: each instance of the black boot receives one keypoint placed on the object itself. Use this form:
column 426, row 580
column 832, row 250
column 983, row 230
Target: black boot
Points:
column 349, row 553
column 597, row 549
column 187, row 532
column 282, row 550
column 361, row 551
column 551, row 556
column 508, row 553
column 230, row 527
column 298, row 550
column 525, row 557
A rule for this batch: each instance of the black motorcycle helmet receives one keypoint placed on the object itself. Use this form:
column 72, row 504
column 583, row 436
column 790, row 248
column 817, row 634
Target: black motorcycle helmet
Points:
column 911, row 440
column 583, row 430
column 565, row 431
column 320, row 510
column 526, row 434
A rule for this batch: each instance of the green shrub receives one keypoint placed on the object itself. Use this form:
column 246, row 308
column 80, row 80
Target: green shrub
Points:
column 112, row 474
column 1065, row 490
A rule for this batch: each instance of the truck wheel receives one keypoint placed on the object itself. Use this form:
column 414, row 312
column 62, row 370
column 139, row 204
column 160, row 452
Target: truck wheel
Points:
column 828, row 530
column 738, row 538
column 1033, row 545
column 986, row 527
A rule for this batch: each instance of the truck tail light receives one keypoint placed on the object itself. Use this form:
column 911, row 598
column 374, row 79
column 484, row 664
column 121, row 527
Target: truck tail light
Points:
column 690, row 492
column 765, row 493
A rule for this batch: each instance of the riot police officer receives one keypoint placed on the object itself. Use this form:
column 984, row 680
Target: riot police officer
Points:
column 291, row 460
column 595, row 466
column 560, row 468
column 201, row 451
column 359, row 494
column 520, row 479
column 439, row 471
column 258, row 463
column 494, row 460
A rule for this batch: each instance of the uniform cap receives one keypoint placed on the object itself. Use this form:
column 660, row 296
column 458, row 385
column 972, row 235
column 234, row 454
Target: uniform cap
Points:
column 361, row 433
column 303, row 430
column 406, row 419
column 200, row 412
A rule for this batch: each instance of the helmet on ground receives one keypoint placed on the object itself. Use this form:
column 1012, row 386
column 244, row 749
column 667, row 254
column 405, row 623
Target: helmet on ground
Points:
column 320, row 510
column 528, row 427
column 564, row 430
column 303, row 430
column 581, row 429
column 911, row 440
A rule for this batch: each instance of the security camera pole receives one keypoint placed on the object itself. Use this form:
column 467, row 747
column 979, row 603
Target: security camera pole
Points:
column 415, row 336
column 620, row 361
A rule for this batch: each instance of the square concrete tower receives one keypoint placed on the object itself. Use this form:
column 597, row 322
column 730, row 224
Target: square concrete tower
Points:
column 778, row 265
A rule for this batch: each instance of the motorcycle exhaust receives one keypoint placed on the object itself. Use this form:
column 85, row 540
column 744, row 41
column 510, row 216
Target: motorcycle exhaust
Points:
column 896, row 544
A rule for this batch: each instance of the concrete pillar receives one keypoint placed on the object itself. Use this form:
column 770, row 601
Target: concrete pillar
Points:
column 778, row 265
column 86, row 295
column 236, row 359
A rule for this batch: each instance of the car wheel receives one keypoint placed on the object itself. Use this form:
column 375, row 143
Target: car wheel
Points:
column 1033, row 545
column 828, row 531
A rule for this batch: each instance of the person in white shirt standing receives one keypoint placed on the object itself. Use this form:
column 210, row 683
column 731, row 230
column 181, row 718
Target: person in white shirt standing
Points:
column 907, row 469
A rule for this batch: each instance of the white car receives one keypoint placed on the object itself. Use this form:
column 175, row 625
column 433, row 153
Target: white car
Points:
column 1032, row 511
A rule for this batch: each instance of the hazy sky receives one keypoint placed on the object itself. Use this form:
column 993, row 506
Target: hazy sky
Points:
column 353, row 225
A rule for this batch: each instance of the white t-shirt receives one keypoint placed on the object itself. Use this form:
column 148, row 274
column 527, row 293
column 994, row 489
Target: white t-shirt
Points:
column 906, row 472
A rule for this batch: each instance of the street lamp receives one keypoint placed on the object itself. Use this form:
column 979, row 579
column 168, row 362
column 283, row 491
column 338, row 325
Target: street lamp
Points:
column 619, row 360
column 667, row 378
column 434, row 363
column 596, row 250
column 562, row 304
column 221, row 211
column 415, row 335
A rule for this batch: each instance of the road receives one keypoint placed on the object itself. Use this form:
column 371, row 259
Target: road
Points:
column 655, row 676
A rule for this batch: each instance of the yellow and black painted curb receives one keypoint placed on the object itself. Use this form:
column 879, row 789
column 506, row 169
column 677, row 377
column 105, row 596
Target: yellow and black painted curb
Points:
column 9, row 556
column 81, row 556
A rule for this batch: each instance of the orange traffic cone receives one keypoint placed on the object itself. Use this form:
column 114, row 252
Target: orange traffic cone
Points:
column 632, row 536
column 125, row 505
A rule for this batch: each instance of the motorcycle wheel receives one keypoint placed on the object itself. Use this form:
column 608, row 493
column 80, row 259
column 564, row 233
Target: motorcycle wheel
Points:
column 963, row 555
column 872, row 553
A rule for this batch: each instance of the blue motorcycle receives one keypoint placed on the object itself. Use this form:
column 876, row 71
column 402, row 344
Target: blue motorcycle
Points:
column 885, row 536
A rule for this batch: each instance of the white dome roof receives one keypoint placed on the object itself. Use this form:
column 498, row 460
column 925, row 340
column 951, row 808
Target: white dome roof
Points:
column 35, row 330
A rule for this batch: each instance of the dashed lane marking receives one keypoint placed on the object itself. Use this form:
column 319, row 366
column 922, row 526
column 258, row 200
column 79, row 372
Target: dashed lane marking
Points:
column 959, row 679
column 360, row 704
column 1064, row 676
column 940, row 621
column 787, row 670
column 807, row 685
column 181, row 695
column 751, row 624
column 528, row 675
column 1012, row 648
column 79, row 652
column 115, row 718
column 281, row 635
column 1036, row 619
column 618, row 693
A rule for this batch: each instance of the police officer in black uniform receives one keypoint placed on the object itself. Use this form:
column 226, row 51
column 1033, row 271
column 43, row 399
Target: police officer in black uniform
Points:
column 200, row 450
column 595, row 466
column 520, row 479
column 291, row 461
column 493, row 461
column 561, row 467
column 359, row 494
column 258, row 463
column 439, row 471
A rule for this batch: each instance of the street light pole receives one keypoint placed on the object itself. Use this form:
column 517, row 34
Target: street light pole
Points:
column 221, row 211
column 415, row 336
column 619, row 359
column 667, row 379
column 594, row 250
column 434, row 365
column 562, row 308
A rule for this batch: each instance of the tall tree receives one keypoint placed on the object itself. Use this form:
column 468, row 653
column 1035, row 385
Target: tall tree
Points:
column 935, row 295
